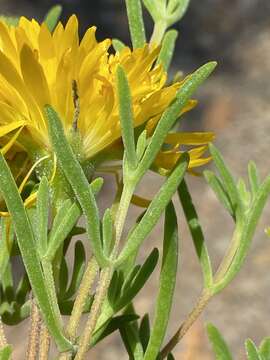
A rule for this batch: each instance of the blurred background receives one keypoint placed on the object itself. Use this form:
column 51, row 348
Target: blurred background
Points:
column 234, row 103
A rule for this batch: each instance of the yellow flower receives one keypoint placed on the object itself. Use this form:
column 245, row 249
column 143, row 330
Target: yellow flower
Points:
column 78, row 79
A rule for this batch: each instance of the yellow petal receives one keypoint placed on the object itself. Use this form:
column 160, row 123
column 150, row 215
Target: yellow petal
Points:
column 192, row 138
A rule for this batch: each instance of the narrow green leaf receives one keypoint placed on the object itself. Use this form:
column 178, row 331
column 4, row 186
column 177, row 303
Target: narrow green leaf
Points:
column 118, row 45
column 63, row 278
column 76, row 177
column 126, row 116
column 138, row 282
column 59, row 233
column 96, row 185
column 53, row 16
column 154, row 211
column 141, row 145
column 252, row 351
column 170, row 115
column 228, row 180
column 131, row 341
column 177, row 8
column 42, row 215
column 254, row 178
column 144, row 331
column 112, row 325
column 136, row 24
column 6, row 241
column 219, row 345
column 78, row 269
column 167, row 49
column 170, row 357
column 244, row 194
column 107, row 232
column 196, row 233
column 29, row 253
column 5, row 353
column 218, row 188
column 265, row 349
column 247, row 232
column 167, row 282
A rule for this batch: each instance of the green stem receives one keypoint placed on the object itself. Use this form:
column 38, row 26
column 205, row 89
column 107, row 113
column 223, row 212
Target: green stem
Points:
column 229, row 256
column 158, row 33
column 49, row 279
column 186, row 325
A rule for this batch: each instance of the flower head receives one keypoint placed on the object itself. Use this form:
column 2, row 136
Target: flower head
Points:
column 78, row 79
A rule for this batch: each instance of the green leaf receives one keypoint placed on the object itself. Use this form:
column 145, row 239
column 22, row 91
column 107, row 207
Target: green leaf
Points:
column 63, row 278
column 144, row 331
column 121, row 294
column 118, row 45
column 167, row 282
column 23, row 289
column 6, row 242
column 136, row 24
column 42, row 215
column 244, row 194
column 112, row 325
column 131, row 341
column 170, row 357
column 218, row 188
column 177, row 9
column 219, row 345
column 126, row 117
column 196, row 233
column 252, row 351
column 138, row 281
column 254, row 178
column 246, row 233
column 141, row 145
column 60, row 232
column 77, row 179
column 29, row 253
column 107, row 231
column 167, row 49
column 5, row 353
column 170, row 115
column 53, row 16
column 228, row 180
column 265, row 349
column 78, row 269
column 96, row 185
column 155, row 209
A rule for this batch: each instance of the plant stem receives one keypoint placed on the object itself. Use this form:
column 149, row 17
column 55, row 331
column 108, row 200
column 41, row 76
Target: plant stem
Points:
column 106, row 273
column 101, row 292
column 186, row 325
column 228, row 258
column 83, row 292
column 3, row 339
column 44, row 344
column 34, row 335
column 49, row 279
column 158, row 33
